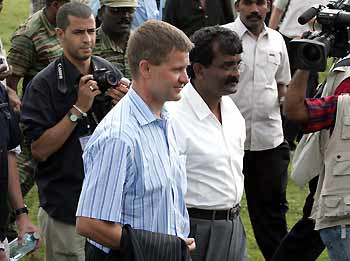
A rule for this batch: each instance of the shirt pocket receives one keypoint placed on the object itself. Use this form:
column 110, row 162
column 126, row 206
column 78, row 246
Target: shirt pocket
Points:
column 345, row 132
column 155, row 174
column 271, row 64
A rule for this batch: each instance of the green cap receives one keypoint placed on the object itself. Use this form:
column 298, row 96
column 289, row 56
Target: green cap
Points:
column 119, row 3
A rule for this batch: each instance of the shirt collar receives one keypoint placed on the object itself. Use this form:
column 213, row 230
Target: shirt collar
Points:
column 107, row 43
column 71, row 72
column 242, row 29
column 200, row 108
column 48, row 26
column 143, row 113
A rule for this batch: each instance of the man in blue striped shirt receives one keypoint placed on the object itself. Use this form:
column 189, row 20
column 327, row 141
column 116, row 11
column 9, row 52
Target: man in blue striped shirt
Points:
column 133, row 172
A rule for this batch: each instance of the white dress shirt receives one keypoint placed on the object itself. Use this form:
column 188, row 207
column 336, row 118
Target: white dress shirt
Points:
column 265, row 63
column 290, row 26
column 213, row 151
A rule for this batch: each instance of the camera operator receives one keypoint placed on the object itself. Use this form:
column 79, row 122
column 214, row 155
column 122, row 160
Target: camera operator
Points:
column 61, row 107
column 314, row 115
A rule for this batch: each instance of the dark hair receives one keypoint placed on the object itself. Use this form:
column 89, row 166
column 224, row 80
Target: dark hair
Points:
column 49, row 2
column 204, row 39
column 71, row 9
column 153, row 41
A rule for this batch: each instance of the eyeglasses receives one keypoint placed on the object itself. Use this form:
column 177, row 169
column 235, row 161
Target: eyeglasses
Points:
column 239, row 67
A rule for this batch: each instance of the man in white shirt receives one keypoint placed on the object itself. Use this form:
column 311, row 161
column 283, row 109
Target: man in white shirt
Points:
column 210, row 132
column 260, row 92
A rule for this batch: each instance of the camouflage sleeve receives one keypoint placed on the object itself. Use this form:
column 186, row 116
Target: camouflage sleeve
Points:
column 21, row 54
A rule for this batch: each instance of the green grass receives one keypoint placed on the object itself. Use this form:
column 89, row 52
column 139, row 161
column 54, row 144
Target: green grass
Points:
column 13, row 13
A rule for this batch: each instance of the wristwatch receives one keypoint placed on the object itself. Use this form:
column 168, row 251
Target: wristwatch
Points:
column 20, row 211
column 73, row 117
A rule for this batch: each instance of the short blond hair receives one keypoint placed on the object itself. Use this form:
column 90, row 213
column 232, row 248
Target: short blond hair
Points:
column 153, row 41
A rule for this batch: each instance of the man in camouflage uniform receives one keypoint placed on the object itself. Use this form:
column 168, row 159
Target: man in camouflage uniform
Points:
column 113, row 34
column 33, row 46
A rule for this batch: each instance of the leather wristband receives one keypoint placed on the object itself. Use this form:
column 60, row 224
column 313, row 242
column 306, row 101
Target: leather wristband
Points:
column 20, row 211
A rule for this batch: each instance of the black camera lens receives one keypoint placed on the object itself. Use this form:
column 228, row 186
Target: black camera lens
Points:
column 111, row 78
column 311, row 53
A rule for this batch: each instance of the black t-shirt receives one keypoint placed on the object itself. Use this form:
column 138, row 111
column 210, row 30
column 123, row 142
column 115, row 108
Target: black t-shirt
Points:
column 46, row 101
column 10, row 137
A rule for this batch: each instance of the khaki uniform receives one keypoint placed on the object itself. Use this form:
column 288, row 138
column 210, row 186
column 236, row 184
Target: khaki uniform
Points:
column 110, row 51
column 33, row 46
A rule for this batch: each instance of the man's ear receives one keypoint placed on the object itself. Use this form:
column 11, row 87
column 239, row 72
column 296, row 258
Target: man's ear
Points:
column 55, row 5
column 100, row 13
column 145, row 69
column 198, row 70
column 59, row 33
column 237, row 5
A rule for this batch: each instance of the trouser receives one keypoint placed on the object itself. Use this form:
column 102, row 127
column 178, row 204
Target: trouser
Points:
column 62, row 243
column 93, row 253
column 265, row 182
column 302, row 242
column 223, row 240
column 338, row 246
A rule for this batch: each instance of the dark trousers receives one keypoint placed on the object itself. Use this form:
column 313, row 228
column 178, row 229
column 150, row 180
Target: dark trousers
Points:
column 93, row 253
column 302, row 242
column 223, row 240
column 265, row 182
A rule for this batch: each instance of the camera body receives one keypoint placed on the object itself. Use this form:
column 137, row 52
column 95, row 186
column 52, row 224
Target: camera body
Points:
column 106, row 79
column 311, row 52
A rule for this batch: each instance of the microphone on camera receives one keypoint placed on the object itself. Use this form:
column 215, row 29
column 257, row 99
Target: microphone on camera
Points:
column 308, row 15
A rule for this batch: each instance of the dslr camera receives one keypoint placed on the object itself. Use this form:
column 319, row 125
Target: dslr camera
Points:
column 311, row 52
column 106, row 79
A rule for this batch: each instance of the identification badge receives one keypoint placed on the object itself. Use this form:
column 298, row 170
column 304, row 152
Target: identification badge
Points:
column 83, row 141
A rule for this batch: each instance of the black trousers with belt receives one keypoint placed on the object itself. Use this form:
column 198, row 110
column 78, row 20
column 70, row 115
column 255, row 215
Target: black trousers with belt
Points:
column 265, row 182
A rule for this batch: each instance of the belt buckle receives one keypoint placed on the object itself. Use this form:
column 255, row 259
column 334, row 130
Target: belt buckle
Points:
column 234, row 212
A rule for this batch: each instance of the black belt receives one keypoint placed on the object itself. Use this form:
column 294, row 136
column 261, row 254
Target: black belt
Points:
column 231, row 213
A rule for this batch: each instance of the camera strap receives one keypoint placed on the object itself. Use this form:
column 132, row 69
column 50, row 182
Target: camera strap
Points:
column 62, row 86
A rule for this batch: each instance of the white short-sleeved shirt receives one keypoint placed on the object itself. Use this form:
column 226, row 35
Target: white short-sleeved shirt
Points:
column 265, row 63
column 213, row 151
column 290, row 26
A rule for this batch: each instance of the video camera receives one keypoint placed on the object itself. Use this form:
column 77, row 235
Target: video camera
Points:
column 311, row 52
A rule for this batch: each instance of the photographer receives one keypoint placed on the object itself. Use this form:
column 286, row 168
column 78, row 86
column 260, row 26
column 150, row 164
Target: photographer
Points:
column 329, row 211
column 61, row 107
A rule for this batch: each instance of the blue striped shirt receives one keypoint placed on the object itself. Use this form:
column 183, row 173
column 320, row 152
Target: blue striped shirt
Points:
column 133, row 172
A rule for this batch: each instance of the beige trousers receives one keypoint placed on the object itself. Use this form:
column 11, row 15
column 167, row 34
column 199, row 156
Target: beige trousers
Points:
column 61, row 241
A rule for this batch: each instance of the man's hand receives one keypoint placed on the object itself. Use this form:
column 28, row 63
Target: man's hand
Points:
column 117, row 93
column 24, row 225
column 3, row 256
column 87, row 92
column 4, row 71
column 14, row 99
column 191, row 244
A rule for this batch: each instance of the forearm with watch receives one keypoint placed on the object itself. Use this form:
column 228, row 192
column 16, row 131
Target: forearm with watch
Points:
column 54, row 138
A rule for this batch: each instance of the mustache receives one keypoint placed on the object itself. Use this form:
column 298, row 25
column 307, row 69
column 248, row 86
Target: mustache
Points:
column 231, row 80
column 254, row 15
